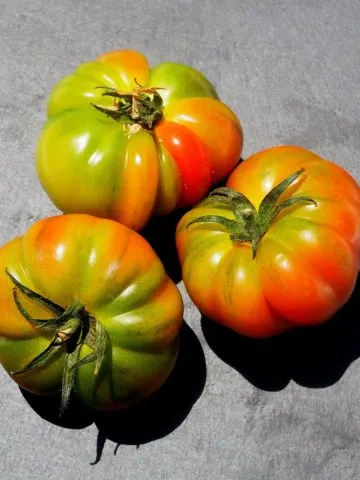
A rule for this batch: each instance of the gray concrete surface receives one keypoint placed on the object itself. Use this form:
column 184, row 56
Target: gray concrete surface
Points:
column 283, row 409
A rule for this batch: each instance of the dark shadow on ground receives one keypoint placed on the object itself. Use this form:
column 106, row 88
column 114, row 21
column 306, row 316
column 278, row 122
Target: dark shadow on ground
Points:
column 160, row 233
column 166, row 409
column 154, row 418
column 314, row 357
column 76, row 416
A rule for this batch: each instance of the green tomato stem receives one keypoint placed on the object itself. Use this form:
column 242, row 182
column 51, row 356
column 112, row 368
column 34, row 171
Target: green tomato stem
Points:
column 249, row 224
column 72, row 327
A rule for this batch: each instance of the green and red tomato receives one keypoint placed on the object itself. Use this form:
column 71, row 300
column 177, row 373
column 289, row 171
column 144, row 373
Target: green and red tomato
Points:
column 278, row 247
column 125, row 140
column 85, row 304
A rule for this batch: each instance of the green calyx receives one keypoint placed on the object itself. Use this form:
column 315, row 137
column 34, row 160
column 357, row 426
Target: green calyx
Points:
column 143, row 106
column 71, row 328
column 249, row 224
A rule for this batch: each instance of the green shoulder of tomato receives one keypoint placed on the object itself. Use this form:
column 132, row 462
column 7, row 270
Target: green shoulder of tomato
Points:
column 127, row 141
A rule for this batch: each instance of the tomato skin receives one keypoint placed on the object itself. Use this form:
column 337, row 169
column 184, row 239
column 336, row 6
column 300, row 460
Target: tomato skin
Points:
column 307, row 262
column 191, row 160
column 87, row 153
column 116, row 275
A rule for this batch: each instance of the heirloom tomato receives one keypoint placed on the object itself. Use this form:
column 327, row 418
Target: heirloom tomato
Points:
column 278, row 247
column 85, row 304
column 125, row 141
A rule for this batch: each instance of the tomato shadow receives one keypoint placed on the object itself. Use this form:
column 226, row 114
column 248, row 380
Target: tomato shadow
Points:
column 160, row 233
column 314, row 357
column 76, row 416
column 166, row 409
column 154, row 418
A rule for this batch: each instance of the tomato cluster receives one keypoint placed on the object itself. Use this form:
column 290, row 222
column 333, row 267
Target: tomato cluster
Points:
column 86, row 304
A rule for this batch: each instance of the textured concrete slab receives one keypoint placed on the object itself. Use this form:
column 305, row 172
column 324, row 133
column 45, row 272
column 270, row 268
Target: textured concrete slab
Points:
column 237, row 409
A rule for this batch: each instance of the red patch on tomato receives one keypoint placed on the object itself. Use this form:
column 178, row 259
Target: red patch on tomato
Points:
column 192, row 160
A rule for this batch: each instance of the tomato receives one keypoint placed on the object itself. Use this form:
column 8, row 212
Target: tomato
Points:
column 85, row 304
column 126, row 141
column 278, row 247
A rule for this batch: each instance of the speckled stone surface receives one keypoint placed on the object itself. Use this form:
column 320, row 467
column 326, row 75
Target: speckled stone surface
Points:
column 287, row 408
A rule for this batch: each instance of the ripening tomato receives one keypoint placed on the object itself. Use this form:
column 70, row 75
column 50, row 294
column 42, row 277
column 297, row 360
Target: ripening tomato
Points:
column 278, row 247
column 125, row 141
column 85, row 304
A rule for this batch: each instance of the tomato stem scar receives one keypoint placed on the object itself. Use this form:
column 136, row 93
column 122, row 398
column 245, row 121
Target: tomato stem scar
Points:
column 142, row 106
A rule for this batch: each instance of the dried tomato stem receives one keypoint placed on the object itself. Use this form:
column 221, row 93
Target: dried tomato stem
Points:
column 143, row 106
